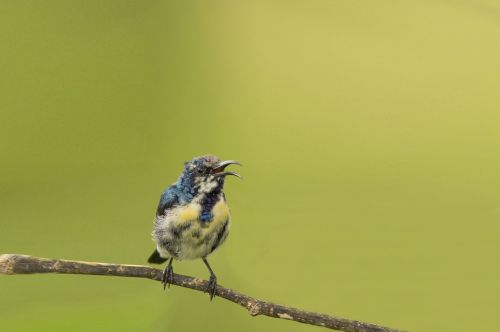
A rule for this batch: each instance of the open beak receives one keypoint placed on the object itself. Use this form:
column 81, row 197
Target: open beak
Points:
column 218, row 170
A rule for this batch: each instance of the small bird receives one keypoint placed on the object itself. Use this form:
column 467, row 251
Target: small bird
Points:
column 192, row 218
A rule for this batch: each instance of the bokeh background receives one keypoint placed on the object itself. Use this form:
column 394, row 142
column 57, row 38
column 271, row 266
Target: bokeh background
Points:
column 369, row 133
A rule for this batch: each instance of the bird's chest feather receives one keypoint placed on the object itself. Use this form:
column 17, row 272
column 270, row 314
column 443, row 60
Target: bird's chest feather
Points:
column 189, row 234
column 195, row 212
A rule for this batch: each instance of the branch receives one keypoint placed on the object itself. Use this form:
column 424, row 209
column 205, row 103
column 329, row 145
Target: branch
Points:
column 22, row 264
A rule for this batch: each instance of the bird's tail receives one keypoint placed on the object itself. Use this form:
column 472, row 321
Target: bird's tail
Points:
column 156, row 258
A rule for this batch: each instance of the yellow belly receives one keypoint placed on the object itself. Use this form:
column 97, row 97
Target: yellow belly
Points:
column 199, row 236
column 220, row 212
column 191, row 212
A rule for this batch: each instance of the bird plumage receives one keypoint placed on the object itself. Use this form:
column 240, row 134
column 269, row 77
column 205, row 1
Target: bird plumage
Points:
column 193, row 218
column 187, row 232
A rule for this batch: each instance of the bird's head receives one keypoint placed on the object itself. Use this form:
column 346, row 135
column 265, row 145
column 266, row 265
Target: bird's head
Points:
column 205, row 174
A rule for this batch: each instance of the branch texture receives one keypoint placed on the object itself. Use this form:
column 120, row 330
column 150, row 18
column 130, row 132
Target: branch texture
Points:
column 22, row 264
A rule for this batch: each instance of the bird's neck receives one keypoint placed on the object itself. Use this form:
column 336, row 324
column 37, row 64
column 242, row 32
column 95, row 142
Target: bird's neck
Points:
column 205, row 193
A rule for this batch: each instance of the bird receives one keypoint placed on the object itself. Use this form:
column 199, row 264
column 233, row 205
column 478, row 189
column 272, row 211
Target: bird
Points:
column 192, row 217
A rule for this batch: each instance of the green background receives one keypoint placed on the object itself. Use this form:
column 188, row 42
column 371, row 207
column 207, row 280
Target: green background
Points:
column 368, row 130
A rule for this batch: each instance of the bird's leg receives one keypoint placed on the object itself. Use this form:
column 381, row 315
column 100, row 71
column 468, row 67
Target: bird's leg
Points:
column 212, row 282
column 168, row 275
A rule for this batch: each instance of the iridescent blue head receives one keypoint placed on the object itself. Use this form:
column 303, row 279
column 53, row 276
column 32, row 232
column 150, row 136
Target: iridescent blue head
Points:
column 204, row 175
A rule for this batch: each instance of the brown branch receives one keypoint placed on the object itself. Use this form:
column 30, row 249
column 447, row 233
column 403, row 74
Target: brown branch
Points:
column 22, row 264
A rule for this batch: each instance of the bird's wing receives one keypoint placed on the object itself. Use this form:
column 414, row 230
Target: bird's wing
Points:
column 168, row 199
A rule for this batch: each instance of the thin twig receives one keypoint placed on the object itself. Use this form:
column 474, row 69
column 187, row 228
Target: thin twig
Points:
column 22, row 264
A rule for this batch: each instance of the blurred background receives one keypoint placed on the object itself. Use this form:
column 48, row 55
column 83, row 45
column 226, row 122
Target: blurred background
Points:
column 369, row 134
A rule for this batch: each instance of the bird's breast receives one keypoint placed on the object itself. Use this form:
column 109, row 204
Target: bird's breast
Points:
column 189, row 212
column 185, row 234
column 220, row 212
column 192, row 212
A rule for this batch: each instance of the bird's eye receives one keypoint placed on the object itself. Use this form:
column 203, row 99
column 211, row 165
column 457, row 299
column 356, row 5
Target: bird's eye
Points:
column 200, row 171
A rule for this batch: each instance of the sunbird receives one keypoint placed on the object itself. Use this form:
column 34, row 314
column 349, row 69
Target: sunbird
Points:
column 192, row 218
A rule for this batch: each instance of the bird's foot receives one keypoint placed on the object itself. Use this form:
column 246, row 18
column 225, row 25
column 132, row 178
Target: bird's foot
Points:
column 168, row 276
column 211, row 287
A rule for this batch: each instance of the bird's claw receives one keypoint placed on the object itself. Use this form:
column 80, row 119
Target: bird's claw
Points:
column 168, row 277
column 211, row 287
